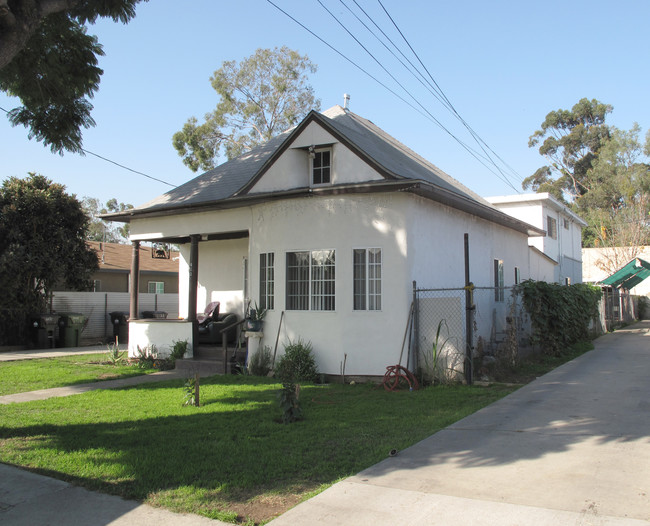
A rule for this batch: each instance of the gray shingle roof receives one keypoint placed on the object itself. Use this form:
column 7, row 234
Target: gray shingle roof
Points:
column 233, row 178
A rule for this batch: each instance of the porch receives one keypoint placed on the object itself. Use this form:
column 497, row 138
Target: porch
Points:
column 211, row 269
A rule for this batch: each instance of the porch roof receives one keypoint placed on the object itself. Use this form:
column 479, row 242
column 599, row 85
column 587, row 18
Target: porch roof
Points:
column 630, row 275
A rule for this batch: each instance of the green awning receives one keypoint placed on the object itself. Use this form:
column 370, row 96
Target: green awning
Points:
column 630, row 275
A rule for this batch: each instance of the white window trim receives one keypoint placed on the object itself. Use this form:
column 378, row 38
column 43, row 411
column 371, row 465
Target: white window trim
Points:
column 265, row 294
column 367, row 278
column 310, row 292
column 311, row 167
column 149, row 283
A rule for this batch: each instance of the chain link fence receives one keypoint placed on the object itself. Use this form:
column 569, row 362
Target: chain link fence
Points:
column 457, row 330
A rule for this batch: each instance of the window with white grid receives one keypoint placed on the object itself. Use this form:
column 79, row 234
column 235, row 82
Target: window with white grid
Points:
column 311, row 279
column 367, row 278
column 321, row 166
column 267, row 280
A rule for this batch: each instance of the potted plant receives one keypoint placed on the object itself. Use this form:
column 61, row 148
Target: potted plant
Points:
column 254, row 318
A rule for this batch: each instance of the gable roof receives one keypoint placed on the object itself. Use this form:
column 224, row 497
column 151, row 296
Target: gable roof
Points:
column 228, row 185
column 115, row 257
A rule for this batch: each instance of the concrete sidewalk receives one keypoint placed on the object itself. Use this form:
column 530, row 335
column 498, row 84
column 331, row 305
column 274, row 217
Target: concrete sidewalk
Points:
column 572, row 447
column 9, row 356
column 27, row 499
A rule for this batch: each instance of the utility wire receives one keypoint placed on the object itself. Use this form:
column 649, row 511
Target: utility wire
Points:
column 472, row 152
column 477, row 138
column 116, row 163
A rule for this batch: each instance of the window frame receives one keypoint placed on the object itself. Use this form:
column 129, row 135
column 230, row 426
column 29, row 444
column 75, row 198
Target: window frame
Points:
column 499, row 282
column 551, row 227
column 267, row 280
column 517, row 276
column 367, row 280
column 315, row 286
column 314, row 154
column 156, row 283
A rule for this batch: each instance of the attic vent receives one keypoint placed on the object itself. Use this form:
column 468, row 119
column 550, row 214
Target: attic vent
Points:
column 346, row 101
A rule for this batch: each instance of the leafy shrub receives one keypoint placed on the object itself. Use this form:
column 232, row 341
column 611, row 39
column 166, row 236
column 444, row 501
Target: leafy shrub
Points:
column 260, row 362
column 179, row 348
column 560, row 314
column 297, row 364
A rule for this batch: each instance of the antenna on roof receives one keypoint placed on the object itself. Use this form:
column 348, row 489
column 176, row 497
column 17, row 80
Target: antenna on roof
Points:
column 346, row 102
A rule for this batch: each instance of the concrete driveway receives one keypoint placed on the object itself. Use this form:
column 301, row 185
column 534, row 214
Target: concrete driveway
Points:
column 572, row 447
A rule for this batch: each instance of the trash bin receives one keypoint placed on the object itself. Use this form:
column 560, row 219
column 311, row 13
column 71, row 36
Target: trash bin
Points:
column 42, row 330
column 119, row 320
column 154, row 314
column 70, row 326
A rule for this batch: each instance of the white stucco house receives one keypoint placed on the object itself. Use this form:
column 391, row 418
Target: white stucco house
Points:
column 557, row 256
column 329, row 223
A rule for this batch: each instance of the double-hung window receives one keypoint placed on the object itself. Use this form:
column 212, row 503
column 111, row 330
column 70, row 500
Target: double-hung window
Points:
column 321, row 167
column 267, row 281
column 156, row 287
column 367, row 278
column 311, row 280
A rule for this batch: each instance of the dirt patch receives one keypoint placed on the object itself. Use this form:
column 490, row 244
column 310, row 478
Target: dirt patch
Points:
column 108, row 376
column 262, row 508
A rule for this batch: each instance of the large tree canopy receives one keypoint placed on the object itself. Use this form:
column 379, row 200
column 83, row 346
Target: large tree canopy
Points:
column 570, row 141
column 42, row 243
column 263, row 95
column 602, row 173
column 49, row 62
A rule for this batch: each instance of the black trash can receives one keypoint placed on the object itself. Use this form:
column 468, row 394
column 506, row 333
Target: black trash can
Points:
column 119, row 320
column 70, row 326
column 42, row 331
column 154, row 314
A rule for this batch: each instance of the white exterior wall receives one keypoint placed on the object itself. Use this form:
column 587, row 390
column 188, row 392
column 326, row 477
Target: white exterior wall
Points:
column 565, row 249
column 371, row 339
column 436, row 254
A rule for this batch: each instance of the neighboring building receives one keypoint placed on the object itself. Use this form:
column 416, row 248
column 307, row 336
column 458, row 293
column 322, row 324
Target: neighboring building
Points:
column 327, row 226
column 600, row 263
column 562, row 243
column 157, row 275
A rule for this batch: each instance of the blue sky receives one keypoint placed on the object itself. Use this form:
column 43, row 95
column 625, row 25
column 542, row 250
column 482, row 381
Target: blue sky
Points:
column 504, row 65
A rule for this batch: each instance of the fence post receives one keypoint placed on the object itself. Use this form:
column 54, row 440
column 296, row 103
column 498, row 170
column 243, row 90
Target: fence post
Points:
column 416, row 327
column 468, row 316
column 105, row 317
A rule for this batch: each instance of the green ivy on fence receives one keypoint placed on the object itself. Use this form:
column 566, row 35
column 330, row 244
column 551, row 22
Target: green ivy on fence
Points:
column 560, row 315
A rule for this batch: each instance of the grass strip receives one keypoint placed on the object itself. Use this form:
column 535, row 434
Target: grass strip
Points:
column 44, row 373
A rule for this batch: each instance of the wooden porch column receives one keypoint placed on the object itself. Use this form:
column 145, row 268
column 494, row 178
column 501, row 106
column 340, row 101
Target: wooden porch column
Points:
column 194, row 277
column 193, row 286
column 135, row 280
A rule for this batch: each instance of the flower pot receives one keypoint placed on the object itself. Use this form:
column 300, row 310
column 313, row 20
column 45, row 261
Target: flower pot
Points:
column 254, row 325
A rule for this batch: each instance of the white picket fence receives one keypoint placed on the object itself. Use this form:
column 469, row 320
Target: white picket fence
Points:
column 97, row 306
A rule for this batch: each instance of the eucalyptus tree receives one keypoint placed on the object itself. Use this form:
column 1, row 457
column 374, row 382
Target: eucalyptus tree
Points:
column 259, row 97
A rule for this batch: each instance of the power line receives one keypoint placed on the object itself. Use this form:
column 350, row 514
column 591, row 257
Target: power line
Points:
column 116, row 163
column 472, row 152
column 477, row 138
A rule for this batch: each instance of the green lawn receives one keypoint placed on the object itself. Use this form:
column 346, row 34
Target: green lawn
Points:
column 229, row 459
column 29, row 375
